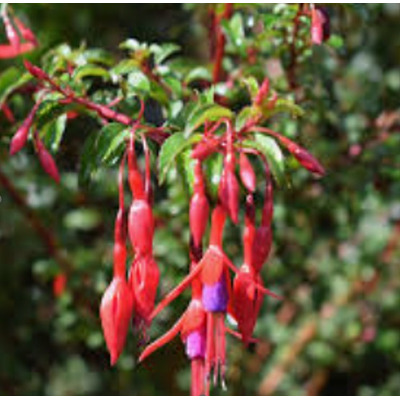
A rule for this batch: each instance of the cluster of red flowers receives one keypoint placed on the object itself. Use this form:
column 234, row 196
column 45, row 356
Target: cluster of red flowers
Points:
column 132, row 298
column 214, row 293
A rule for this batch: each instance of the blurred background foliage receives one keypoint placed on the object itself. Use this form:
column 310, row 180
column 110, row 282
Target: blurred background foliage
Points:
column 336, row 240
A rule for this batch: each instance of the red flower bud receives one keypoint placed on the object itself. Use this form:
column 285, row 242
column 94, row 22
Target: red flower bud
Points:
column 307, row 160
column 247, row 175
column 115, row 312
column 199, row 207
column 198, row 216
column 35, row 71
column 144, row 276
column 46, row 160
column 21, row 136
column 141, row 226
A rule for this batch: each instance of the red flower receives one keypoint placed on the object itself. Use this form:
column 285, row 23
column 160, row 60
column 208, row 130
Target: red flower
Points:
column 115, row 312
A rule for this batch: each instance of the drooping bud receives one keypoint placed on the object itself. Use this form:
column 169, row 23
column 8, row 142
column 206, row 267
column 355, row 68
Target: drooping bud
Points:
column 35, row 71
column 247, row 175
column 307, row 160
column 47, row 161
column 115, row 312
column 199, row 207
column 141, row 226
column 21, row 136
column 143, row 280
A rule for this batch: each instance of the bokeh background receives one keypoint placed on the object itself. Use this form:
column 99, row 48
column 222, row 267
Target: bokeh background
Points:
column 335, row 256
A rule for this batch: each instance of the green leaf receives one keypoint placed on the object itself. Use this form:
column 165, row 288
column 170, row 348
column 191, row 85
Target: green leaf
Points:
column 237, row 30
column 138, row 82
column 101, row 148
column 170, row 149
column 252, row 86
column 84, row 219
column 53, row 131
column 272, row 152
column 205, row 113
column 88, row 164
column 110, row 155
column 284, row 105
column 199, row 73
column 133, row 45
column 125, row 67
column 109, row 139
column 90, row 70
column 10, row 80
column 162, row 52
column 336, row 41
column 98, row 56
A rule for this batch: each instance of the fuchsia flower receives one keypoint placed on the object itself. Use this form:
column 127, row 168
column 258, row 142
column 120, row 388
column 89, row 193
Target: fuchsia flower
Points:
column 115, row 312
column 192, row 327
column 117, row 303
column 144, row 274
column 247, row 295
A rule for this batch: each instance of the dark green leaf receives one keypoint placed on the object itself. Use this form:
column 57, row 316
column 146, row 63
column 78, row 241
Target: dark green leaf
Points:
column 171, row 148
column 199, row 73
column 90, row 70
column 53, row 131
column 162, row 52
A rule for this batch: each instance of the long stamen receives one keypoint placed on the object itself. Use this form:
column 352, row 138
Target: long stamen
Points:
column 210, row 351
column 222, row 349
